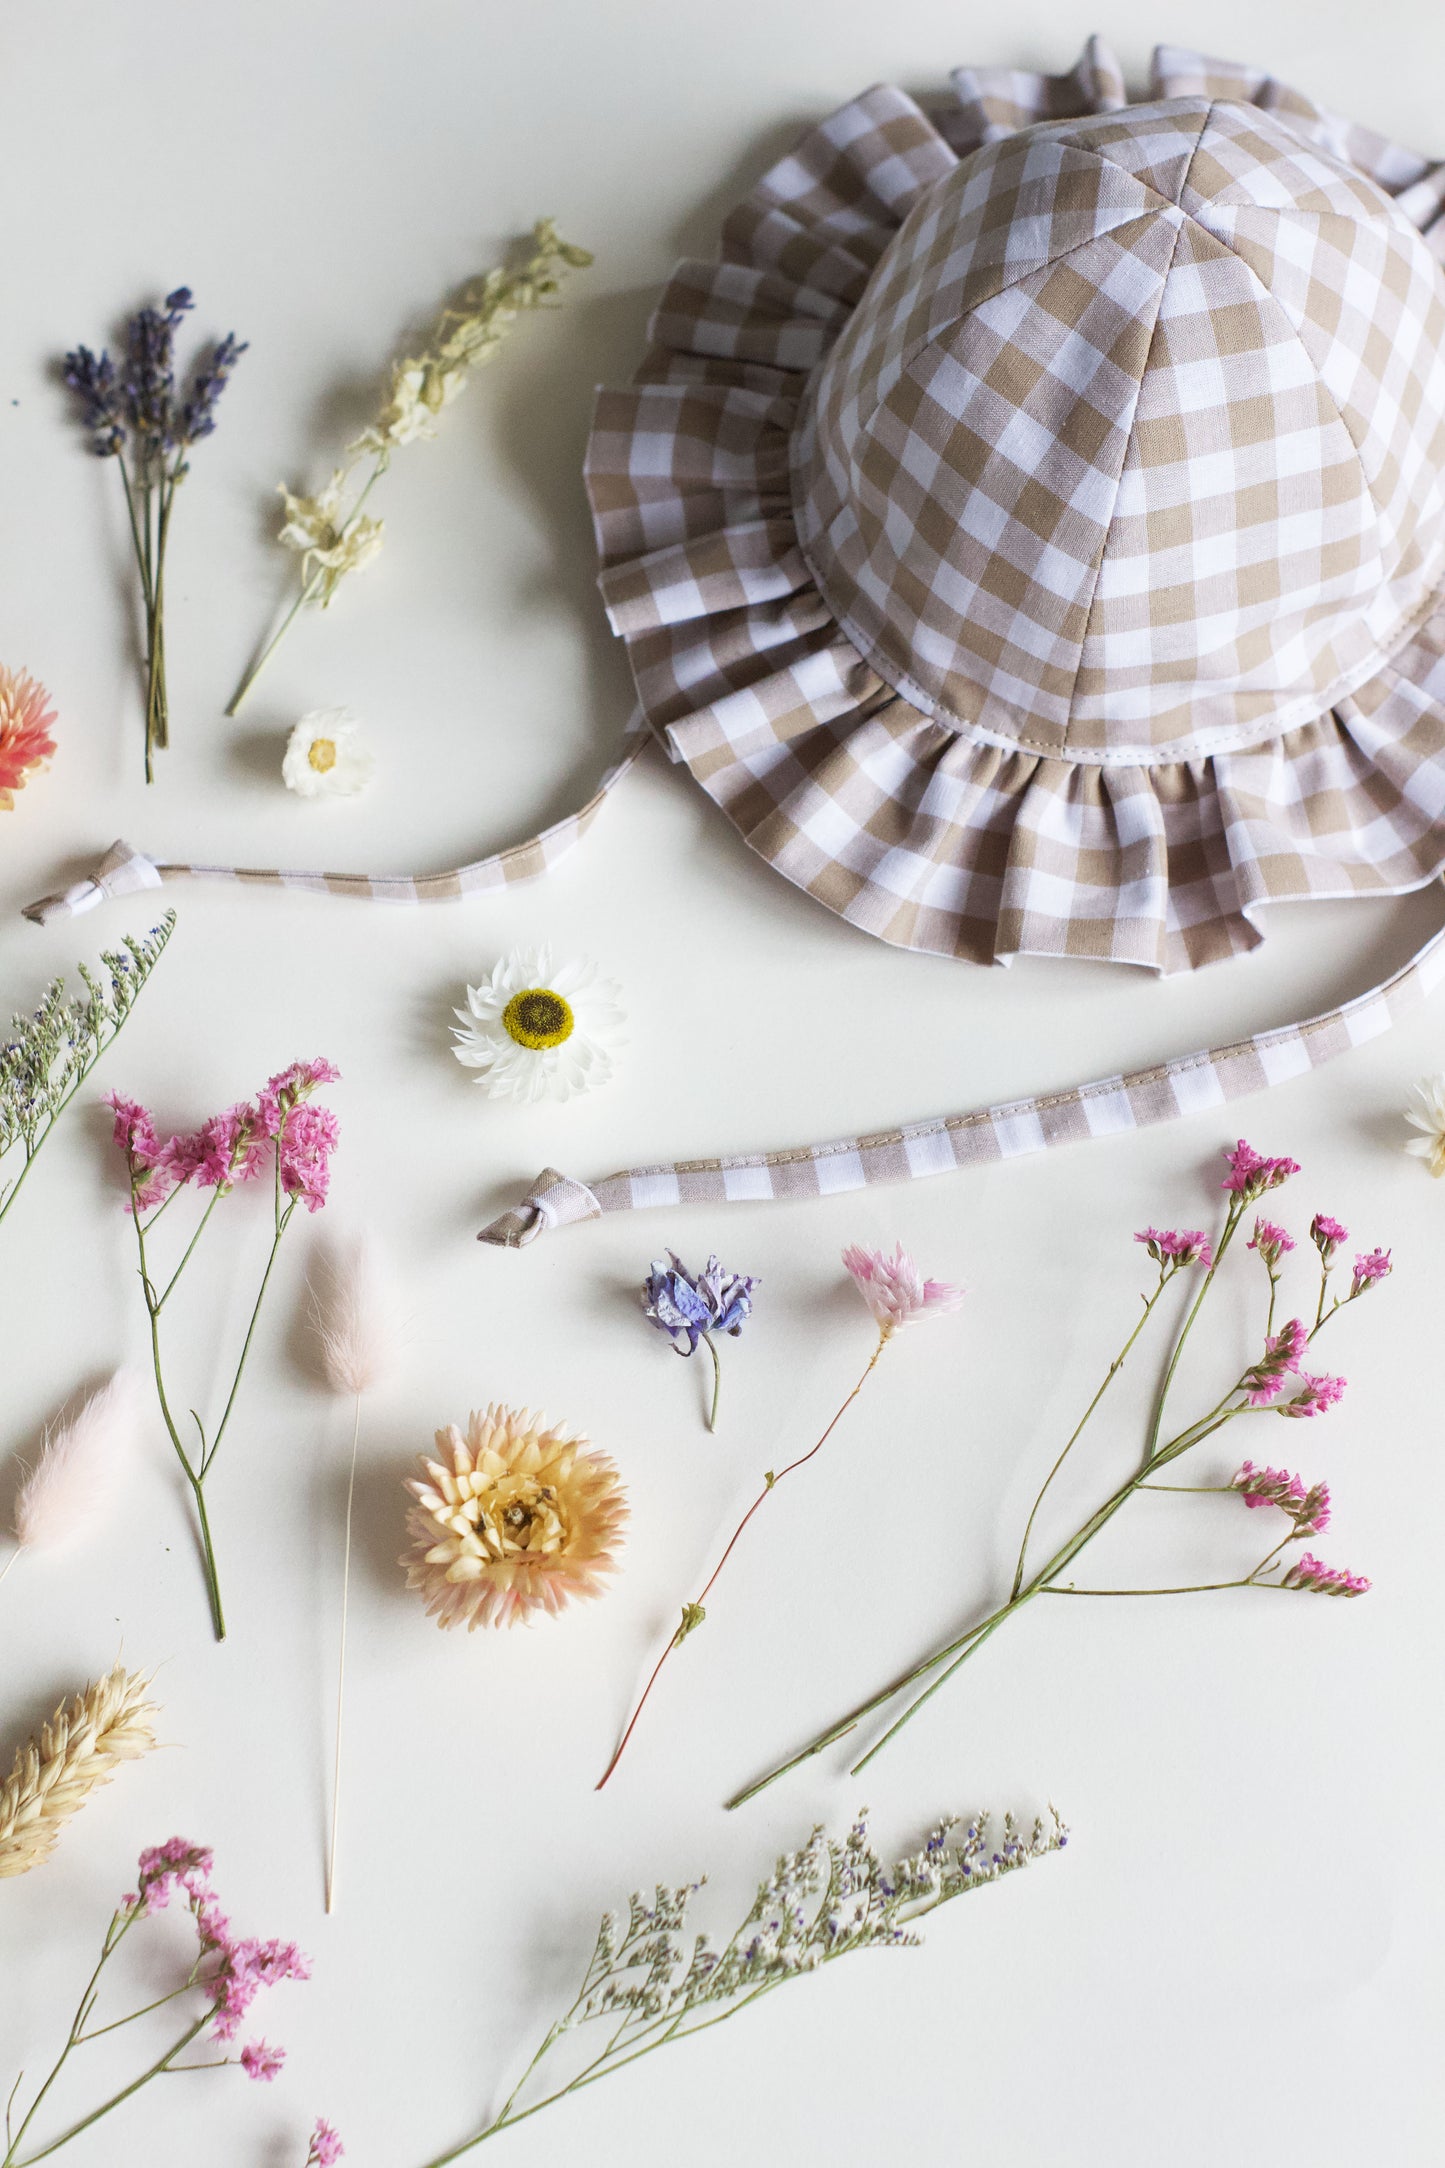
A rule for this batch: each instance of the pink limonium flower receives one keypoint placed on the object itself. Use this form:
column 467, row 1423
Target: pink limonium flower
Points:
column 1371, row 1267
column 895, row 1290
column 279, row 1137
column 1315, row 1395
column 1264, row 1381
column 1178, row 1246
column 326, row 2147
column 262, row 2062
column 1271, row 1242
column 1251, row 1174
column 1309, row 1509
column 1311, row 1574
column 1328, row 1237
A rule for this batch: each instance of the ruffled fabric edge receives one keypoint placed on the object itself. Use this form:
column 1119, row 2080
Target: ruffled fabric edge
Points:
column 903, row 826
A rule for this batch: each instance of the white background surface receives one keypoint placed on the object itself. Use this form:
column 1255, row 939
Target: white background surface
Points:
column 1238, row 1958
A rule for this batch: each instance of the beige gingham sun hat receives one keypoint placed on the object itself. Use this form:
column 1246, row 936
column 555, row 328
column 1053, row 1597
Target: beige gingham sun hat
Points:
column 1031, row 533
column 1031, row 530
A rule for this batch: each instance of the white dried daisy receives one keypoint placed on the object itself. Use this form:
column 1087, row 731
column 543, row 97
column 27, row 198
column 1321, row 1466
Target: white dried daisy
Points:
column 324, row 758
column 1428, row 1116
column 535, row 1029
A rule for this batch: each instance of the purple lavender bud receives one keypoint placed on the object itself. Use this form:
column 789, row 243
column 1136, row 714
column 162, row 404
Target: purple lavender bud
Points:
column 93, row 379
column 198, row 415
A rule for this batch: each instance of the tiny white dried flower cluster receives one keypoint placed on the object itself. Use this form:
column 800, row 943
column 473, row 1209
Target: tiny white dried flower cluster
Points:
column 833, row 1895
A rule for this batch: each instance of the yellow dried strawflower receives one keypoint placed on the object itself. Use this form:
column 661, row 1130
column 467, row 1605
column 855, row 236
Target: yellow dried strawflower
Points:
column 520, row 1517
column 80, row 1749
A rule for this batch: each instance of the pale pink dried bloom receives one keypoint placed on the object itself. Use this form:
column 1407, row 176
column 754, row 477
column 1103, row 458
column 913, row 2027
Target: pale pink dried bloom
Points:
column 895, row 1290
column 25, row 740
column 520, row 1517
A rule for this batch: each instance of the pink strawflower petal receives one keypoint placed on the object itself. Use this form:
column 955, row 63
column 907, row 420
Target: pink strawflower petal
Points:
column 895, row 1290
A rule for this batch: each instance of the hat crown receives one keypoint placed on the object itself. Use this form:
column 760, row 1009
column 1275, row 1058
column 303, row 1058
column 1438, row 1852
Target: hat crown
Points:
column 1135, row 446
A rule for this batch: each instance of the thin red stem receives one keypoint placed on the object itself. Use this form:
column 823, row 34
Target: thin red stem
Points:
column 769, row 1486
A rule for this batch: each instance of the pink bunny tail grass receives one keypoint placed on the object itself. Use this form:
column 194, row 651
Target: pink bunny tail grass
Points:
column 354, row 1313
column 78, row 1472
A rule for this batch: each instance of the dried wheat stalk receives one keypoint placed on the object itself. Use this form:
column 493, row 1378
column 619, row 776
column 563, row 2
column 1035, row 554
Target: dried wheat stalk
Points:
column 76, row 1752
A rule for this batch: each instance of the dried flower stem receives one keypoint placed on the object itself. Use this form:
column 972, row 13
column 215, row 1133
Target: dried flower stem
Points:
column 648, row 1986
column 940, row 1666
column 196, row 1469
column 73, row 1755
column 332, row 537
column 50, row 1054
column 341, row 1667
column 693, row 1614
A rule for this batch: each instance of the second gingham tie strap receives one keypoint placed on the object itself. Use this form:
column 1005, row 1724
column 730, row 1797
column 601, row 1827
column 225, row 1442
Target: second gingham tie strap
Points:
column 124, row 868
column 1193, row 1084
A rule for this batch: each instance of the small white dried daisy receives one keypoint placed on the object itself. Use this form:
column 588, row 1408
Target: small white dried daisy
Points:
column 324, row 758
column 1428, row 1116
column 536, row 1030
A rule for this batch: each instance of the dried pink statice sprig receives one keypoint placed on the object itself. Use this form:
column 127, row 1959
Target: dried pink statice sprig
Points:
column 77, row 1475
column 1276, row 1384
column 897, row 1294
column 354, row 1313
column 326, row 2147
column 226, row 1974
column 280, row 1135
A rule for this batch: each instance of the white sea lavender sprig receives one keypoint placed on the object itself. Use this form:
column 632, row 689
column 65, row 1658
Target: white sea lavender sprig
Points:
column 354, row 1314
column 330, row 532
column 77, row 1474
column 49, row 1054
column 651, row 1984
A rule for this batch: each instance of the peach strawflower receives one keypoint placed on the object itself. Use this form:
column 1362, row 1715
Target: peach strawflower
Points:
column 25, row 740
column 519, row 1517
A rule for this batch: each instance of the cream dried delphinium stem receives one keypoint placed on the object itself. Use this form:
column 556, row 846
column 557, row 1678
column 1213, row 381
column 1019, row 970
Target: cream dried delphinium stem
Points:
column 80, row 1749
column 330, row 532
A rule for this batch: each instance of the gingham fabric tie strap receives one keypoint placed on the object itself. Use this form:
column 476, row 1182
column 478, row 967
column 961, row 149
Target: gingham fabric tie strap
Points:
column 1194, row 1084
column 123, row 868
column 120, row 873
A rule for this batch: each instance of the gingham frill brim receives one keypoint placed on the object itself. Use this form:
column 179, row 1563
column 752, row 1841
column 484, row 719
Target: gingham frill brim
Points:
column 1140, row 831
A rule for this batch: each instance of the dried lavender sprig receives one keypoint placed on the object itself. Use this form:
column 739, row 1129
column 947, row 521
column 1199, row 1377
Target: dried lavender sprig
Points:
column 137, row 410
column 651, row 1985
column 50, row 1053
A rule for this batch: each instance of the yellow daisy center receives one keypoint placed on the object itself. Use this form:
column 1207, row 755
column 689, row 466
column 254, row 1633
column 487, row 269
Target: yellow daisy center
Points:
column 322, row 754
column 537, row 1018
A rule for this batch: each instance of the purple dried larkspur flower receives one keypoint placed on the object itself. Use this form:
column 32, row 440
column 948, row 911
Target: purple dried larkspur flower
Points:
column 687, row 1305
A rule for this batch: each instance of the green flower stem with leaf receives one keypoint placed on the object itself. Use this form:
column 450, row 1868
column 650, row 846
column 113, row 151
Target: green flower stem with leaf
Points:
column 198, row 1466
